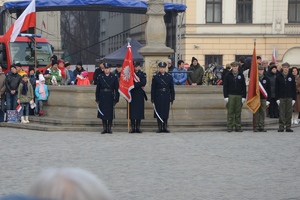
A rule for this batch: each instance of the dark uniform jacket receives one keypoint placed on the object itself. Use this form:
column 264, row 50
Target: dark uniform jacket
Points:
column 162, row 93
column 107, row 95
column 272, row 78
column 234, row 85
column 285, row 87
column 12, row 82
column 137, row 104
column 265, row 82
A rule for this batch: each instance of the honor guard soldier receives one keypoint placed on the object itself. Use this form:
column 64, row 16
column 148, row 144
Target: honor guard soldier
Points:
column 162, row 94
column 265, row 98
column 107, row 96
column 234, row 91
column 285, row 92
column 137, row 104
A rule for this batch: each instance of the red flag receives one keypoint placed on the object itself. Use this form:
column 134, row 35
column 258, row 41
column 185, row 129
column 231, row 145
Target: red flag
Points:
column 127, row 75
column 253, row 99
column 44, row 25
column 274, row 55
column 26, row 20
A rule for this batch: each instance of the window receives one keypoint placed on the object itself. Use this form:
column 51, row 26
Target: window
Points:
column 237, row 57
column 213, row 11
column 213, row 59
column 294, row 11
column 244, row 11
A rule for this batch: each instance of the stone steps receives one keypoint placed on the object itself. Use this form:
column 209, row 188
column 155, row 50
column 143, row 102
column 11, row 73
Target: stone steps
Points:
column 120, row 125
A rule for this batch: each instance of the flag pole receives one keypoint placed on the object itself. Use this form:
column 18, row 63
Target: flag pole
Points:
column 128, row 115
column 35, row 49
column 253, row 114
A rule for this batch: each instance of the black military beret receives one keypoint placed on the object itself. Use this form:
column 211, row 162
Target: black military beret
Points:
column 162, row 64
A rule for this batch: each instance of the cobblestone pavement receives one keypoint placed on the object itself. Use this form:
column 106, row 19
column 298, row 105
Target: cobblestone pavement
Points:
column 150, row 166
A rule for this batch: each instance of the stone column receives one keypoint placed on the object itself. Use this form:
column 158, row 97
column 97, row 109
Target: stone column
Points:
column 155, row 50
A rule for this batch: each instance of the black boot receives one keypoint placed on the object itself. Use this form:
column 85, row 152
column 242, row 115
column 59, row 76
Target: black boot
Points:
column 104, row 124
column 165, row 125
column 138, row 125
column 159, row 124
column 109, row 126
column 132, row 126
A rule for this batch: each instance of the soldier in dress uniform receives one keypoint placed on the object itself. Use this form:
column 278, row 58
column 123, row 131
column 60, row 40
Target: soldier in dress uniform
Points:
column 162, row 94
column 265, row 98
column 234, row 91
column 137, row 104
column 107, row 96
column 285, row 94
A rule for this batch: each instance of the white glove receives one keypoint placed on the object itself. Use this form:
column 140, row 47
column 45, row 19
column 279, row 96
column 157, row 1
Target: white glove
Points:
column 293, row 102
column 243, row 100
column 267, row 103
column 278, row 102
column 226, row 100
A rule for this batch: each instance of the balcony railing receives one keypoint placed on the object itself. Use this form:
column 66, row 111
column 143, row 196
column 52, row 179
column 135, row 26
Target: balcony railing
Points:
column 292, row 29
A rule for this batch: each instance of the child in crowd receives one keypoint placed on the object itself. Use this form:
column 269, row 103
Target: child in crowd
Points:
column 41, row 93
column 25, row 95
column 83, row 78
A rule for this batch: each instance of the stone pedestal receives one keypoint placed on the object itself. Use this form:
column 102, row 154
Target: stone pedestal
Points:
column 155, row 50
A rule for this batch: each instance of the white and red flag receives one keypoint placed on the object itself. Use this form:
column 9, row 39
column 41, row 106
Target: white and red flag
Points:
column 127, row 75
column 274, row 55
column 26, row 20
column 19, row 108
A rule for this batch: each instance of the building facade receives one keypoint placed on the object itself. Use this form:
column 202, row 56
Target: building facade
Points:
column 211, row 30
column 223, row 30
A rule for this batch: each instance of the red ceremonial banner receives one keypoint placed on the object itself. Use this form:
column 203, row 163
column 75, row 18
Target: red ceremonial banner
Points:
column 127, row 75
column 253, row 99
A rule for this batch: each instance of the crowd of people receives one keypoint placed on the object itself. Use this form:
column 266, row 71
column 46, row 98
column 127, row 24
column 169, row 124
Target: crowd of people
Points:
column 24, row 92
column 18, row 87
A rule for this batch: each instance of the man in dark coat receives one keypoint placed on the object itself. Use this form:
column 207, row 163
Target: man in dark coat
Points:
column 137, row 104
column 98, row 71
column 285, row 92
column 162, row 94
column 273, row 107
column 13, row 79
column 107, row 96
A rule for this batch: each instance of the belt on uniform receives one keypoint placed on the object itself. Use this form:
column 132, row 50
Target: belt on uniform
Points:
column 163, row 89
column 105, row 90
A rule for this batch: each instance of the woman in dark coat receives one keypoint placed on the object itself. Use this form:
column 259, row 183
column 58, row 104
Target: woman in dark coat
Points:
column 107, row 96
column 162, row 94
column 137, row 104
